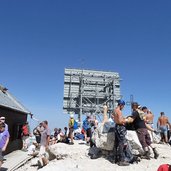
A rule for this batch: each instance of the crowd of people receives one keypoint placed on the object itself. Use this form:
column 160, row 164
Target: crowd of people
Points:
column 141, row 120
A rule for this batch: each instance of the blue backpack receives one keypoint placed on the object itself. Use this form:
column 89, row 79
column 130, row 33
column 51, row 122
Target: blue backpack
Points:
column 85, row 125
column 75, row 125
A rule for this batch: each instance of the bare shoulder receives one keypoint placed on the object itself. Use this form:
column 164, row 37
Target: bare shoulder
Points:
column 166, row 117
column 159, row 118
column 117, row 111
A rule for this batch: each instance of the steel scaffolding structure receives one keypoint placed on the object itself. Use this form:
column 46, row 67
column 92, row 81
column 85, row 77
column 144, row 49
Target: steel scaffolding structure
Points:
column 86, row 91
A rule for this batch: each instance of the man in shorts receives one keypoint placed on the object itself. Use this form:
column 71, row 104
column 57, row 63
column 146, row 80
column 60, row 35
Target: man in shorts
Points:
column 162, row 126
column 44, row 143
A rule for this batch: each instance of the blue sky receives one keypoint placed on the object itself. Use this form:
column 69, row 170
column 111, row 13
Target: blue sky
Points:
column 38, row 39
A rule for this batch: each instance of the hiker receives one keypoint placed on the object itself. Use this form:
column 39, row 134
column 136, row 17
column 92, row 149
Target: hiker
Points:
column 44, row 143
column 61, row 136
column 71, row 129
column 125, row 157
column 139, row 122
column 4, row 139
column 32, row 149
column 168, row 133
column 149, row 122
column 37, row 132
column 65, row 131
column 150, row 118
column 95, row 122
column 87, row 129
column 25, row 136
column 55, row 136
column 162, row 126
column 2, row 119
column 66, row 140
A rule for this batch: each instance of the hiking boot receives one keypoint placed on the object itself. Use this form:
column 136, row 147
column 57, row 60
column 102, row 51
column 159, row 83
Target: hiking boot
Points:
column 40, row 165
column 156, row 154
column 135, row 159
column 123, row 163
column 71, row 143
column 146, row 155
column 94, row 156
column 24, row 149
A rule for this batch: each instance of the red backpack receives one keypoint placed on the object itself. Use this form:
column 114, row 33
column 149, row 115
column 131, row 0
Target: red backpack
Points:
column 164, row 167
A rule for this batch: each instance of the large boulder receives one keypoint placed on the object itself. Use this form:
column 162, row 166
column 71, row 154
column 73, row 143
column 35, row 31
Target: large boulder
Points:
column 134, row 142
column 62, row 150
column 104, row 138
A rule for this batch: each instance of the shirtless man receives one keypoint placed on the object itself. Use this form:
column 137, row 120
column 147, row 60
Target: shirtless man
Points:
column 149, row 122
column 124, row 154
column 150, row 118
column 162, row 126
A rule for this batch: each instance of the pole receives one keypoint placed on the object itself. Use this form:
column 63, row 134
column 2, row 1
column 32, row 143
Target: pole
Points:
column 131, row 100
column 81, row 99
column 113, row 94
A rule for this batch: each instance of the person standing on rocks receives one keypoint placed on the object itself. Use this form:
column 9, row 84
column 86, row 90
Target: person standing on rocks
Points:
column 44, row 143
column 25, row 135
column 125, row 157
column 139, row 122
column 149, row 121
column 162, row 126
column 4, row 139
column 71, row 129
column 37, row 132
column 2, row 119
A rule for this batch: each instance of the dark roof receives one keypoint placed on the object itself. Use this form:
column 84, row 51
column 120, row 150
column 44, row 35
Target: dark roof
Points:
column 9, row 101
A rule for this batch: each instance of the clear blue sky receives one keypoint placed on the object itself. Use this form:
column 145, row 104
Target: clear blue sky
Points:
column 38, row 39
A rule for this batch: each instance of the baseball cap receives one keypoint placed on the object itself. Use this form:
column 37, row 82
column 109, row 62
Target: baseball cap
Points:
column 71, row 115
column 144, row 107
column 135, row 104
column 121, row 102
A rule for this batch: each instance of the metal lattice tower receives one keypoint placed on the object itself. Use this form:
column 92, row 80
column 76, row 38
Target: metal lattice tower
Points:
column 86, row 91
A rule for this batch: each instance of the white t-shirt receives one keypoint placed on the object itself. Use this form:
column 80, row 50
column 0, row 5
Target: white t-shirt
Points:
column 31, row 149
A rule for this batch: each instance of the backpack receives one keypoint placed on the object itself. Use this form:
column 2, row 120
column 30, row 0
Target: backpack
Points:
column 36, row 132
column 85, row 125
column 75, row 126
column 164, row 167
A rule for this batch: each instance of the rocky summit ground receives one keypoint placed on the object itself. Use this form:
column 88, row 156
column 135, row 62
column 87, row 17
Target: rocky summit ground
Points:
column 75, row 158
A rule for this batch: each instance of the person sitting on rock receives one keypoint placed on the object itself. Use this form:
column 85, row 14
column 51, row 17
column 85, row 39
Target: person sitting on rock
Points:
column 32, row 149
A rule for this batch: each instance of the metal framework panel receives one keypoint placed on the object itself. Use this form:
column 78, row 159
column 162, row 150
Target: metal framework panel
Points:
column 86, row 91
